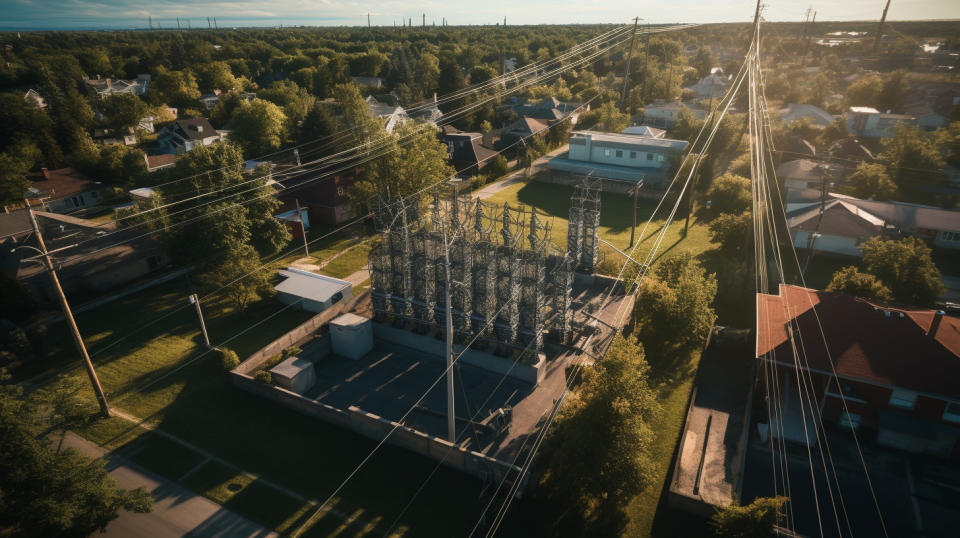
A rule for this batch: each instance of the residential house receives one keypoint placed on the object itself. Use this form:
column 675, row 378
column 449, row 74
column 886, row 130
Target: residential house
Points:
column 429, row 112
column 326, row 199
column 794, row 146
column 115, row 137
column 373, row 82
column 621, row 157
column 927, row 119
column 210, row 100
column 815, row 115
column 645, row 130
column 297, row 221
column 159, row 162
column 807, row 173
column 104, row 258
column 311, row 291
column 867, row 121
column 665, row 114
column 467, row 153
column 939, row 227
column 34, row 99
column 875, row 368
column 840, row 228
column 523, row 128
column 107, row 86
column 184, row 135
column 849, row 150
column 391, row 115
column 64, row 190
column 710, row 86
column 551, row 109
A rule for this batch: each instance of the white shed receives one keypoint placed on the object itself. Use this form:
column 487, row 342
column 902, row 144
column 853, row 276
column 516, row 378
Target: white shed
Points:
column 351, row 336
column 313, row 292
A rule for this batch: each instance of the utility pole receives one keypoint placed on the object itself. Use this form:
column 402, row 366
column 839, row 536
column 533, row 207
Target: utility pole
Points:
column 626, row 69
column 68, row 315
column 178, row 25
column 368, row 22
column 424, row 20
column 215, row 24
column 303, row 228
column 209, row 25
column 296, row 154
column 150, row 19
column 195, row 301
column 451, row 419
column 883, row 18
column 646, row 47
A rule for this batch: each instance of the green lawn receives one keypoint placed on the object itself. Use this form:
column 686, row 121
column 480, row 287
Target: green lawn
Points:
column 350, row 261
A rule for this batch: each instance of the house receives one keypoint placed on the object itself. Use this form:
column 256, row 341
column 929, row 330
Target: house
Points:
column 814, row 114
column 467, row 153
column 102, row 256
column 807, row 173
column 390, row 114
column 551, row 109
column 115, row 137
column 710, row 86
column 184, row 135
column 429, row 112
column 645, row 130
column 794, row 146
column 107, row 86
column 296, row 220
column 159, row 162
column 34, row 99
column 665, row 115
column 620, row 156
column 373, row 82
column 210, row 100
column 927, row 118
column 867, row 121
column 523, row 128
column 849, row 149
column 64, row 190
column 146, row 123
column 311, row 291
column 326, row 199
column 939, row 227
column 839, row 229
column 894, row 369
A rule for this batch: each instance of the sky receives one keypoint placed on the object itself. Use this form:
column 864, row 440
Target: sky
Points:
column 105, row 14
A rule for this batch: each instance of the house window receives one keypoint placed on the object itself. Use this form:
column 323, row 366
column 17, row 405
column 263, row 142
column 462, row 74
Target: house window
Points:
column 851, row 419
column 952, row 412
column 904, row 399
column 649, row 156
column 661, row 158
column 619, row 153
column 606, row 153
column 633, row 154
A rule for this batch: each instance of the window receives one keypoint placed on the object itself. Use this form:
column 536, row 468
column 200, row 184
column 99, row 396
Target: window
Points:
column 619, row 153
column 661, row 158
column 850, row 394
column 633, row 154
column 850, row 419
column 904, row 399
column 952, row 412
column 649, row 156
column 606, row 153
column 336, row 298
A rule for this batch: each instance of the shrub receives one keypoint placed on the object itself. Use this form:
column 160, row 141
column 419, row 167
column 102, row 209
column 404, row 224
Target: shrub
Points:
column 291, row 351
column 263, row 376
column 229, row 359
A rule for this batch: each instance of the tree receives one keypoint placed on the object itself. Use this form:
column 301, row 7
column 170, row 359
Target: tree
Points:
column 864, row 91
column 851, row 281
column 240, row 274
column 48, row 491
column 497, row 167
column 218, row 76
column 702, row 62
column 730, row 194
column 894, row 90
column 734, row 232
column 123, row 110
column 904, row 266
column 756, row 520
column 482, row 73
column 611, row 119
column 871, row 181
column 223, row 110
column 13, row 179
column 913, row 160
column 598, row 453
column 177, row 88
column 672, row 310
column 420, row 161
column 319, row 123
column 259, row 127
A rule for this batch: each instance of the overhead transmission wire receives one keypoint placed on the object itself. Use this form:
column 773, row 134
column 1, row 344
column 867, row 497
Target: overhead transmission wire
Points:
column 386, row 143
column 541, row 435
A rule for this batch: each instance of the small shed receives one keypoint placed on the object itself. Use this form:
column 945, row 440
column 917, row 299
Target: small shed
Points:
column 351, row 336
column 313, row 292
column 294, row 374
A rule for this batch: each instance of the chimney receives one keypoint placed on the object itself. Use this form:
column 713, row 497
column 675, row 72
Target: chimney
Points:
column 199, row 128
column 937, row 319
column 45, row 172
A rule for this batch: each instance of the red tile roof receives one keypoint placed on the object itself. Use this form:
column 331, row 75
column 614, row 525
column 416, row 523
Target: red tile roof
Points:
column 155, row 162
column 61, row 183
column 868, row 341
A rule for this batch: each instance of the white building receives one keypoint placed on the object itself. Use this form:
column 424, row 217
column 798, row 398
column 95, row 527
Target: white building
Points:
column 868, row 121
column 619, row 156
column 184, row 135
column 311, row 291
column 663, row 114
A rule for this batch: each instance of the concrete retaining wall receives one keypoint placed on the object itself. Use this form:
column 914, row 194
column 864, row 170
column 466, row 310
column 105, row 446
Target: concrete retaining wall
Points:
column 377, row 428
column 499, row 365
column 300, row 334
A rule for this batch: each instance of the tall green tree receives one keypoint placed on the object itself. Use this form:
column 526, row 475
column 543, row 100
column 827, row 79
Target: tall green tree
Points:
column 870, row 181
column 756, row 520
column 123, row 110
column 734, row 232
column 730, row 194
column 408, row 167
column 851, row 281
column 318, row 125
column 913, row 160
column 259, row 126
column 46, row 490
column 13, row 179
column 904, row 266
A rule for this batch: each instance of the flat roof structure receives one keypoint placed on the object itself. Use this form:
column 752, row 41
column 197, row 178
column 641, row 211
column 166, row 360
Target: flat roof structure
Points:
column 627, row 141
column 307, row 285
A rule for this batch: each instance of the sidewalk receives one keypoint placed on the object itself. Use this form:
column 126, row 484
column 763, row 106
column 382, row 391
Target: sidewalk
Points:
column 176, row 511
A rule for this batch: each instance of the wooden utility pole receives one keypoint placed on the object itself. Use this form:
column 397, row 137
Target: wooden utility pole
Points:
column 883, row 19
column 195, row 300
column 626, row 70
column 646, row 48
column 303, row 229
column 68, row 315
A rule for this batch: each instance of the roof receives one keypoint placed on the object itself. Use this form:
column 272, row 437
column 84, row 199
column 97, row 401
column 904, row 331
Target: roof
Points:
column 849, row 148
column 801, row 169
column 839, row 218
column 798, row 146
column 527, row 124
column 863, row 110
column 467, row 147
column 349, row 320
column 291, row 367
column 629, row 140
column 817, row 115
column 311, row 286
column 908, row 216
column 61, row 182
column 15, row 224
column 645, row 130
column 197, row 128
column 865, row 340
column 156, row 162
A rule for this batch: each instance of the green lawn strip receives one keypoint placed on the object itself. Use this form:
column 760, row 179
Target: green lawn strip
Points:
column 165, row 457
column 643, row 508
column 349, row 262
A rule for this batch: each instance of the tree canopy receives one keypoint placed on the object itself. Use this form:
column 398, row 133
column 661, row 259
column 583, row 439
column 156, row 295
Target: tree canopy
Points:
column 904, row 266
column 851, row 281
